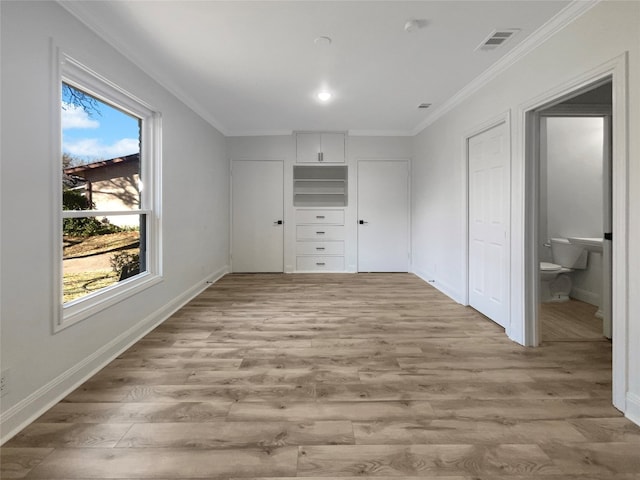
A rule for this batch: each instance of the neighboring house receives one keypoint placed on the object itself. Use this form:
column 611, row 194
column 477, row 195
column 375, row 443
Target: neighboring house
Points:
column 110, row 185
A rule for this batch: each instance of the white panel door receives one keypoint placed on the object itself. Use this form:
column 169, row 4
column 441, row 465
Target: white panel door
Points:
column 257, row 207
column 489, row 223
column 383, row 216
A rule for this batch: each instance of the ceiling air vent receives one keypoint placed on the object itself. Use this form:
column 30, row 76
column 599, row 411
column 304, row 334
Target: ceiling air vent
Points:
column 497, row 38
column 424, row 105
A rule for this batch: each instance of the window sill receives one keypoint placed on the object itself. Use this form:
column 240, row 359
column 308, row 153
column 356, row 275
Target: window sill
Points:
column 82, row 309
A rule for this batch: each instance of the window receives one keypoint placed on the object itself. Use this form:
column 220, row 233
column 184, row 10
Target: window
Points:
column 109, row 203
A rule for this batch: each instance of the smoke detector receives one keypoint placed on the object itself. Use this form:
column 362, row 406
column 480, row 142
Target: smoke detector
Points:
column 324, row 40
column 415, row 24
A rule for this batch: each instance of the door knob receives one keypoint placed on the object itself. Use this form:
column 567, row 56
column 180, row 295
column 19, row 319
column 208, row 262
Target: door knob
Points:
column 362, row 222
column 279, row 222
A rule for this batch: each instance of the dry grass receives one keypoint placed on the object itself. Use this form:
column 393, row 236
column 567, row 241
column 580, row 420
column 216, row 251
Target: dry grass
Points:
column 75, row 247
column 76, row 285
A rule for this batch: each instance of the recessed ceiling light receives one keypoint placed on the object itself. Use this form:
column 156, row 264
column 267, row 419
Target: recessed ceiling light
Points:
column 324, row 96
column 323, row 40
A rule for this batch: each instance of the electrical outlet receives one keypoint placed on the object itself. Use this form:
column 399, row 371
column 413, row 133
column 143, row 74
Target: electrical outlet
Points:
column 4, row 382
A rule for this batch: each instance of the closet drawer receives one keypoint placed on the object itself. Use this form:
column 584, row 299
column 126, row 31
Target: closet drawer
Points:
column 320, row 216
column 319, row 264
column 320, row 248
column 320, row 232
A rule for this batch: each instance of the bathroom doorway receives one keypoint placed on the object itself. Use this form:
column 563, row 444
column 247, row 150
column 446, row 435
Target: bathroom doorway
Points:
column 574, row 217
column 613, row 72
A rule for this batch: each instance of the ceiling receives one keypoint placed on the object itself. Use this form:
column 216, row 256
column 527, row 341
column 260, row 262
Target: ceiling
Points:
column 252, row 68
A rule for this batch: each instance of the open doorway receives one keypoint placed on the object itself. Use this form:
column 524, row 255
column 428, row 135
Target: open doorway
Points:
column 574, row 220
column 613, row 72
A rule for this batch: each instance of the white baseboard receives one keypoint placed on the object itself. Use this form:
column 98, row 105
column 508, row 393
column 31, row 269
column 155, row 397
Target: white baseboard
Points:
column 633, row 408
column 432, row 280
column 16, row 418
column 585, row 296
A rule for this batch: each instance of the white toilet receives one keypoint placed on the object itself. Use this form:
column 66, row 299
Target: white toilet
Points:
column 555, row 279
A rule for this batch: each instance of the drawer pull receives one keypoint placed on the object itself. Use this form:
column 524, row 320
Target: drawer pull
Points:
column 320, row 217
column 319, row 248
column 320, row 264
column 320, row 233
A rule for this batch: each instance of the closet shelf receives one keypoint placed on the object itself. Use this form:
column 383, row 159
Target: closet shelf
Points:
column 319, row 186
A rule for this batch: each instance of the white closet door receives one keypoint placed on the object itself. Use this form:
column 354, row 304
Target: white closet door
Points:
column 383, row 216
column 489, row 223
column 257, row 207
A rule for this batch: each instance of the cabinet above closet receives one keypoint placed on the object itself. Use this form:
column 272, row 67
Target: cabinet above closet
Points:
column 320, row 147
column 319, row 186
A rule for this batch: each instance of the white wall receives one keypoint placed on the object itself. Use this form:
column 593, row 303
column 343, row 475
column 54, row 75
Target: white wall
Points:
column 195, row 210
column 602, row 34
column 283, row 148
column 573, row 207
column 367, row 148
column 574, row 177
column 277, row 147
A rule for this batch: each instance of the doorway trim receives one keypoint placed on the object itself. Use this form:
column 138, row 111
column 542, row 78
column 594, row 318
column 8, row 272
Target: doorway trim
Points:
column 504, row 117
column 615, row 71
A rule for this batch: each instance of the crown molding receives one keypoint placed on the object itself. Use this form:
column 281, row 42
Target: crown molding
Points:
column 570, row 13
column 96, row 25
column 566, row 16
column 351, row 133
column 258, row 133
column 381, row 133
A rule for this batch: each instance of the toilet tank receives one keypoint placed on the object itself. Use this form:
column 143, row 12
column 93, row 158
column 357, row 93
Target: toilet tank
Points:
column 567, row 254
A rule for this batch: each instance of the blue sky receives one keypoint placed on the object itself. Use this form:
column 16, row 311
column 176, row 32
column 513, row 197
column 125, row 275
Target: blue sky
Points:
column 93, row 137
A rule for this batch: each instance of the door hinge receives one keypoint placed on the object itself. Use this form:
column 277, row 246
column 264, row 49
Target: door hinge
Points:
column 608, row 236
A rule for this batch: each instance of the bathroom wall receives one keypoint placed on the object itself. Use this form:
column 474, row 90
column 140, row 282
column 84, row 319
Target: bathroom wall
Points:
column 572, row 196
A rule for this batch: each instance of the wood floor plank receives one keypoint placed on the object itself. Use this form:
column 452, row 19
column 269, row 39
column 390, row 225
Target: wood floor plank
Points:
column 430, row 390
column 523, row 409
column 180, row 365
column 600, row 430
column 564, row 476
column 17, row 462
column 238, row 434
column 448, row 376
column 193, row 393
column 299, row 412
column 166, row 462
column 136, row 412
column 570, row 321
column 275, row 377
column 454, row 431
column 375, row 460
column 596, row 458
column 58, row 435
column 269, row 376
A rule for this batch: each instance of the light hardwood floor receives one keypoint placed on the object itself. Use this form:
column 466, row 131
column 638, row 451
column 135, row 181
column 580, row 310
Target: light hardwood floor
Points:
column 570, row 321
column 335, row 376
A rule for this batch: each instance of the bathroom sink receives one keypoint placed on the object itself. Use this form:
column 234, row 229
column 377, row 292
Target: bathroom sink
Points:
column 590, row 244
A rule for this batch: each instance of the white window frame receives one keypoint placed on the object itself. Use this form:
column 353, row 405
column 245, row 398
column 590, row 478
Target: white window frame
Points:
column 79, row 76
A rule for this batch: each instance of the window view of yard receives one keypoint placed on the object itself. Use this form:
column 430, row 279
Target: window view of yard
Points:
column 97, row 261
column 101, row 238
